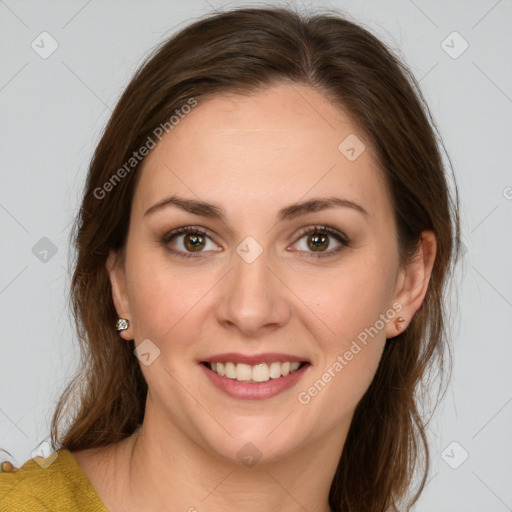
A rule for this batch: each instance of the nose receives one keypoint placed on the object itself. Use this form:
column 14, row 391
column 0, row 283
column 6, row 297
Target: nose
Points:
column 252, row 298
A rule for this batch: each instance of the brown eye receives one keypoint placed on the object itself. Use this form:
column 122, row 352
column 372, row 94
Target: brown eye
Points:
column 193, row 242
column 189, row 242
column 318, row 242
column 320, row 238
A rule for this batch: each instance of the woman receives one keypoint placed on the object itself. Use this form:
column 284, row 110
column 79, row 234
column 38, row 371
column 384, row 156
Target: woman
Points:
column 262, row 252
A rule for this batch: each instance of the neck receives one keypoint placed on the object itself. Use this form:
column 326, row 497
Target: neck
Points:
column 168, row 469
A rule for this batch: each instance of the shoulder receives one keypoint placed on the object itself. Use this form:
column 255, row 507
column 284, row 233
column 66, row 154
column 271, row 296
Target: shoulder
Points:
column 47, row 484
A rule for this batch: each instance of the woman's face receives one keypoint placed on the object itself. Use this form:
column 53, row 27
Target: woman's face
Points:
column 257, row 282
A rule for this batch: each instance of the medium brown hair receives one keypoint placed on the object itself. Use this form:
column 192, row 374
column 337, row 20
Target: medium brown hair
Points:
column 243, row 51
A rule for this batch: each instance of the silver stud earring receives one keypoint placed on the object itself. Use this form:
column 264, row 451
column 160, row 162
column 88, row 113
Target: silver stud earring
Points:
column 122, row 324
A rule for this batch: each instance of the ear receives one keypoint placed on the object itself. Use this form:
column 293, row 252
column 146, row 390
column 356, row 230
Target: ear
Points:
column 115, row 268
column 413, row 282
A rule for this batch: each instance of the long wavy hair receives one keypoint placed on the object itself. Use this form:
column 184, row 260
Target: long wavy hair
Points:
column 242, row 51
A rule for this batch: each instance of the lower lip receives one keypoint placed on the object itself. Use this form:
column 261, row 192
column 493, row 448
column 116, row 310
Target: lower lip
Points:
column 255, row 391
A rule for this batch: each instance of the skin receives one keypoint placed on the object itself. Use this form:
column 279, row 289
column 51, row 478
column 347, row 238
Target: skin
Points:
column 253, row 155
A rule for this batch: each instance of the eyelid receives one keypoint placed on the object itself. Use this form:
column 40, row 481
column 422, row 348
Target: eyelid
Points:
column 322, row 228
column 184, row 230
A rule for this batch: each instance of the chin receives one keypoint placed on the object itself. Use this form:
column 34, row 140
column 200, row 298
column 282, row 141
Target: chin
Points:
column 254, row 440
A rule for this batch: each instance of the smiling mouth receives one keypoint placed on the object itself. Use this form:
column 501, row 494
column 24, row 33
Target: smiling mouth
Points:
column 257, row 373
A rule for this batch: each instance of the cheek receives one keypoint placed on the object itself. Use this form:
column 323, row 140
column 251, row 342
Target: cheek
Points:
column 162, row 296
column 349, row 299
column 335, row 392
column 164, row 306
column 354, row 306
column 349, row 357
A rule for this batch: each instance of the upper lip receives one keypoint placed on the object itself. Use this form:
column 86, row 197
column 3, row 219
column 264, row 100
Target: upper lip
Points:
column 267, row 357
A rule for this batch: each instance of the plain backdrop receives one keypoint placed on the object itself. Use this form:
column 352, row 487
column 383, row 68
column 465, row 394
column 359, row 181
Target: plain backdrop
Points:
column 53, row 108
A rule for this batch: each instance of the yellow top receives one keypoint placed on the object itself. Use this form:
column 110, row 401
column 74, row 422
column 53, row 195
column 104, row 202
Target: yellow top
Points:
column 56, row 483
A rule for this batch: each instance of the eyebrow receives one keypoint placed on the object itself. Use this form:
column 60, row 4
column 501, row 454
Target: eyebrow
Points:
column 293, row 211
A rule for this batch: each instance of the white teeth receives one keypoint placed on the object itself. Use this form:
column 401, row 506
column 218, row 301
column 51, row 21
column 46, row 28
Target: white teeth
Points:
column 258, row 373
column 230, row 370
column 275, row 370
column 243, row 372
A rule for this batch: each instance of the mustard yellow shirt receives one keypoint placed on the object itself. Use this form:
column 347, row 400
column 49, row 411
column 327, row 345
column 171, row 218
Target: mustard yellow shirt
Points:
column 56, row 483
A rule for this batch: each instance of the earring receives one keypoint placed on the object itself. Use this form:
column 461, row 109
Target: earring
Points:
column 122, row 324
column 398, row 323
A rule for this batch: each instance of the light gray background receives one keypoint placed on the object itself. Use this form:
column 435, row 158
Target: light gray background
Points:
column 52, row 114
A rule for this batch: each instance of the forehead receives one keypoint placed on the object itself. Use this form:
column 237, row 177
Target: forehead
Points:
column 270, row 147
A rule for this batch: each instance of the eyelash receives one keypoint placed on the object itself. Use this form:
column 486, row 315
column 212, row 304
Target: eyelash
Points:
column 314, row 230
